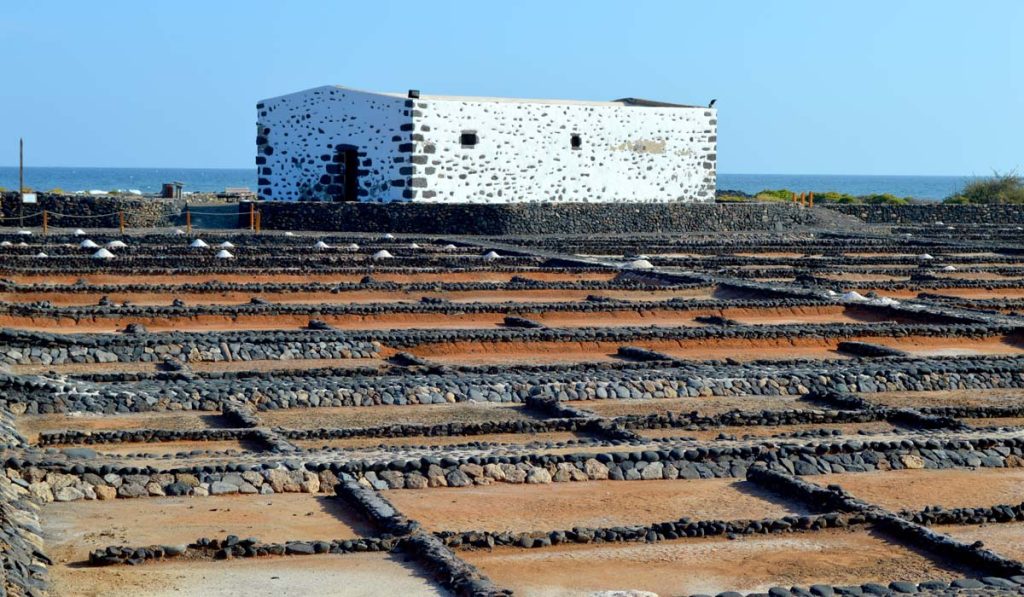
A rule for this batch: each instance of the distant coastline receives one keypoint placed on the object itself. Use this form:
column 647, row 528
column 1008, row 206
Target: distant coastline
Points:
column 148, row 180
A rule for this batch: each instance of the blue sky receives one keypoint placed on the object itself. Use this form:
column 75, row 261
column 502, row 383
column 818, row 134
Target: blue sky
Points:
column 868, row 87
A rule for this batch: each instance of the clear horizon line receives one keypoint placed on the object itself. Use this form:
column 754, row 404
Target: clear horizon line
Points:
column 726, row 173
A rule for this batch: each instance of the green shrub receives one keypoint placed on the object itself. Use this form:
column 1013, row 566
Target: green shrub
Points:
column 996, row 189
column 57, row 191
column 769, row 194
column 883, row 199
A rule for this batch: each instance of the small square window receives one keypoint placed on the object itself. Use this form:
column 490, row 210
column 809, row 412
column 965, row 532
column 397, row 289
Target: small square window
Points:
column 576, row 141
column 469, row 139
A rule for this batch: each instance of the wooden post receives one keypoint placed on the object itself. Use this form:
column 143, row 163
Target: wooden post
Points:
column 259, row 221
column 45, row 221
column 252, row 216
column 120, row 220
column 794, row 197
column 810, row 200
column 188, row 221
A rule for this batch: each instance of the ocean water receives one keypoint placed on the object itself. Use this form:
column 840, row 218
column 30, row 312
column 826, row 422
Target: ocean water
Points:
column 148, row 180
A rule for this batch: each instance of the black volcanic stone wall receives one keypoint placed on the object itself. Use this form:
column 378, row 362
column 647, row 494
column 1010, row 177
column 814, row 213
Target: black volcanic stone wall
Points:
column 79, row 210
column 530, row 218
column 933, row 213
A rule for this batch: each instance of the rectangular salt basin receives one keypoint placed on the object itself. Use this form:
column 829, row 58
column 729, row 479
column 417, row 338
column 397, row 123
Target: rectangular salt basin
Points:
column 748, row 564
column 32, row 425
column 518, row 508
column 949, row 488
column 1004, row 538
column 759, row 431
column 72, row 529
column 991, row 397
column 704, row 405
column 353, row 574
column 143, row 367
column 350, row 417
column 357, row 443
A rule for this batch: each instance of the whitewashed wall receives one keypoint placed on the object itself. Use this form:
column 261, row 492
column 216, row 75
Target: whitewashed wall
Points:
column 412, row 150
column 297, row 136
column 628, row 153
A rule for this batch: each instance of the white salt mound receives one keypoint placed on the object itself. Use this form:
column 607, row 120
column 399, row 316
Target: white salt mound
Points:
column 353, row 247
column 289, row 233
column 41, row 254
column 389, row 236
column 103, row 254
column 491, row 256
column 179, row 232
column 87, row 244
column 224, row 254
column 226, row 245
column 382, row 254
column 638, row 264
column 450, row 247
column 854, row 296
column 949, row 268
column 198, row 244
column 116, row 244
column 25, row 232
column 79, row 232
column 320, row 245
column 925, row 256
column 5, row 243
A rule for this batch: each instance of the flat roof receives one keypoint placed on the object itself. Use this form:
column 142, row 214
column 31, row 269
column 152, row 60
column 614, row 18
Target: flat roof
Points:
column 627, row 101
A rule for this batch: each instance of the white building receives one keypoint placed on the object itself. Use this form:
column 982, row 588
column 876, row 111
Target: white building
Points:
column 337, row 144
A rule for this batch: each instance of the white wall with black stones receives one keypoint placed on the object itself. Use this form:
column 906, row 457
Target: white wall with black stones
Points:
column 413, row 150
column 297, row 136
column 524, row 152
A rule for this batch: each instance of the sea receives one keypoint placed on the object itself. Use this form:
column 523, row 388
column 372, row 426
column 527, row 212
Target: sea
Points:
column 149, row 180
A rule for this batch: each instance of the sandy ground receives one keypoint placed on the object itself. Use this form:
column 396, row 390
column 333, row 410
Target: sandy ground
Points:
column 995, row 397
column 967, row 293
column 505, row 507
column 706, row 406
column 355, row 575
column 32, row 425
column 848, row 429
column 851, row 277
column 72, row 529
column 710, row 566
column 417, row 414
column 1006, row 539
column 265, row 365
column 500, row 438
column 915, row 489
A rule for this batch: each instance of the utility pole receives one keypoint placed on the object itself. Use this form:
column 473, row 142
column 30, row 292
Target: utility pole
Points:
column 21, row 181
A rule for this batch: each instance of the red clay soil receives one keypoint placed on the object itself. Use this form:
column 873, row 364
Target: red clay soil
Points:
column 355, row 417
column 520, row 508
column 996, row 422
column 301, row 278
column 654, row 317
column 949, row 488
column 752, row 563
column 31, row 425
column 704, row 405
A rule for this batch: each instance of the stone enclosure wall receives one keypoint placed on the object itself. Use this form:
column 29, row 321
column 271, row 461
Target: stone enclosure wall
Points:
column 482, row 150
column 933, row 213
column 67, row 211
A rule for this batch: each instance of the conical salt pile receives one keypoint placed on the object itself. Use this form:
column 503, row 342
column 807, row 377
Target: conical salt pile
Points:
column 41, row 254
column 226, row 245
column 79, row 232
column 389, row 236
column 491, row 256
column 414, row 246
column 638, row 264
column 179, row 232
column 321, row 245
column 353, row 247
column 87, row 244
column 103, row 254
column 449, row 247
column 116, row 244
column 382, row 254
column 224, row 254
column 198, row 244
